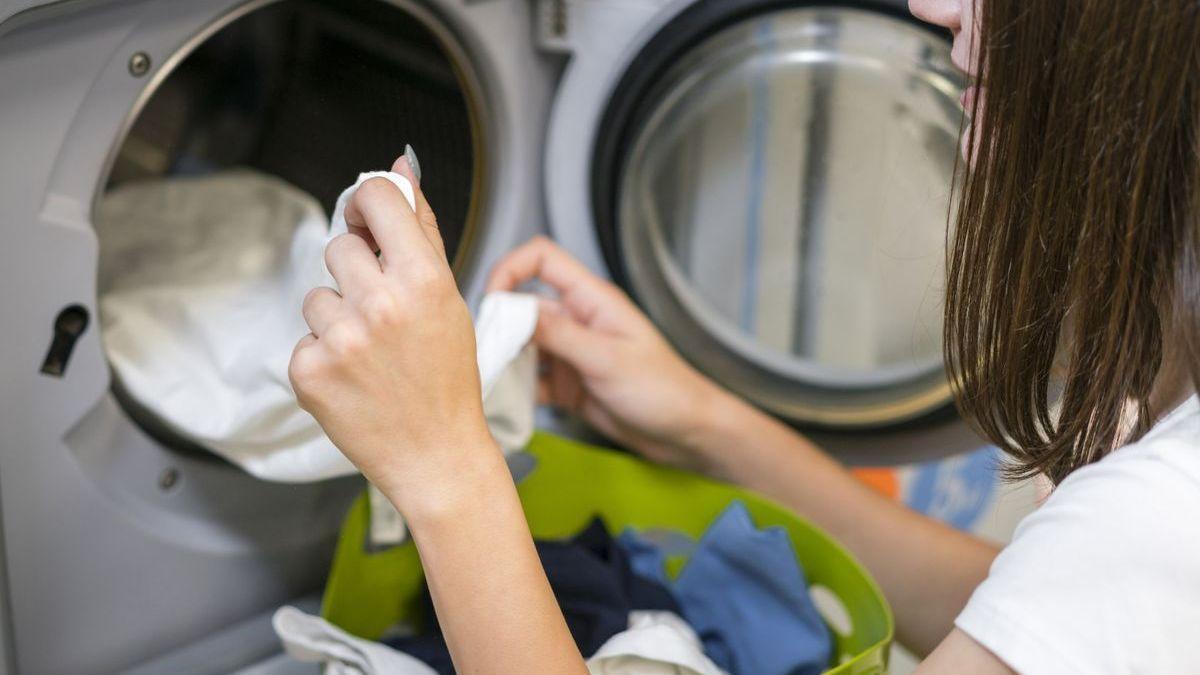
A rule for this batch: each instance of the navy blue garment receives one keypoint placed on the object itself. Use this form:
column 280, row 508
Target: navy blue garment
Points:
column 744, row 592
column 593, row 583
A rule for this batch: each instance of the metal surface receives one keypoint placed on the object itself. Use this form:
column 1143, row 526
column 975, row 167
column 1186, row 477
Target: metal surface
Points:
column 782, row 212
column 139, row 64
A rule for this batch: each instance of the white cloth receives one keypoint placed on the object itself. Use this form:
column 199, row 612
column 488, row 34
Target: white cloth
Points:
column 657, row 643
column 1105, row 576
column 312, row 639
column 201, row 282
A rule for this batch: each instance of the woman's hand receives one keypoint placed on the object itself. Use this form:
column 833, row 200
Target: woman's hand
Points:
column 390, row 373
column 605, row 360
column 389, row 369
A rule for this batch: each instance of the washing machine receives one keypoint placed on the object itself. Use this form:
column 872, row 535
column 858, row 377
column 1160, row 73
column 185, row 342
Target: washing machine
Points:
column 768, row 179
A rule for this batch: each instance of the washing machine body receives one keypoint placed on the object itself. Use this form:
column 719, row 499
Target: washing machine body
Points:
column 124, row 547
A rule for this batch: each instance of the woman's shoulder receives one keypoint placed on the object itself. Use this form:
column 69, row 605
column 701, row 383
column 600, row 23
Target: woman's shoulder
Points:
column 1146, row 490
column 1166, row 456
column 1108, row 569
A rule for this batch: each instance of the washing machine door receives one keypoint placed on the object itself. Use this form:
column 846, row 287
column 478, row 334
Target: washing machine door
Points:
column 771, row 182
column 123, row 539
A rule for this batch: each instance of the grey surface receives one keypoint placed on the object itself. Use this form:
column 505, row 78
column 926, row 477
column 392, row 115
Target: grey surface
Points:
column 105, row 569
column 252, row 641
column 281, row 664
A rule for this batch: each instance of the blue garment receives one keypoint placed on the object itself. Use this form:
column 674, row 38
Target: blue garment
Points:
column 645, row 559
column 746, row 595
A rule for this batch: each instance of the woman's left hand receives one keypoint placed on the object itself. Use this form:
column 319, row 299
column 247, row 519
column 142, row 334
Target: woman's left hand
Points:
column 389, row 370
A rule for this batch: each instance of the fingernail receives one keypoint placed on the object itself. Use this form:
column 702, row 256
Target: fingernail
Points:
column 410, row 156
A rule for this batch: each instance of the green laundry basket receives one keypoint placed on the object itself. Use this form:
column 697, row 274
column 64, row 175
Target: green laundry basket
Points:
column 368, row 593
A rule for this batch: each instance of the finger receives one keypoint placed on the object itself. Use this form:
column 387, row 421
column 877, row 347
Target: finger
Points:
column 559, row 385
column 585, row 350
column 545, row 392
column 425, row 215
column 305, row 342
column 301, row 367
column 320, row 306
column 351, row 263
column 581, row 292
column 366, row 236
column 379, row 206
column 601, row 420
column 566, row 386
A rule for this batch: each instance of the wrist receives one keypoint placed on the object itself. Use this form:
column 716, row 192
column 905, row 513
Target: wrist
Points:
column 446, row 488
column 720, row 429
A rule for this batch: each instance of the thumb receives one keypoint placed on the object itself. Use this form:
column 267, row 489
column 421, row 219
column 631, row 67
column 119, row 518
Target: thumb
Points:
column 586, row 350
column 408, row 166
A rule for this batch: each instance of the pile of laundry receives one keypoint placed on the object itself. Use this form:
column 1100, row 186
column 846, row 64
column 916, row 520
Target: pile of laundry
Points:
column 739, row 605
column 200, row 285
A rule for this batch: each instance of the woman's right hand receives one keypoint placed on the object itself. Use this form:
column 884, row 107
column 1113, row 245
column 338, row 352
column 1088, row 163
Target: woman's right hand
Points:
column 606, row 362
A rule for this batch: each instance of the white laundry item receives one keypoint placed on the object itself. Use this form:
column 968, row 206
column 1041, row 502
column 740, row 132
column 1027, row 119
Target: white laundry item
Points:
column 508, row 366
column 657, row 643
column 386, row 527
column 312, row 639
column 201, row 283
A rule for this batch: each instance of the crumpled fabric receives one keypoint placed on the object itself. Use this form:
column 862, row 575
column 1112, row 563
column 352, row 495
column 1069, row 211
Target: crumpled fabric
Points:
column 592, row 581
column 311, row 639
column 200, row 286
column 744, row 592
column 655, row 643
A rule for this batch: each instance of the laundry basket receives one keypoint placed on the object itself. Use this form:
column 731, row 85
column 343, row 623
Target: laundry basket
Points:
column 570, row 484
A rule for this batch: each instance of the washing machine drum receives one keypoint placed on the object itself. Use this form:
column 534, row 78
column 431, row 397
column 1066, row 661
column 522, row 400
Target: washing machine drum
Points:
column 243, row 147
column 773, row 187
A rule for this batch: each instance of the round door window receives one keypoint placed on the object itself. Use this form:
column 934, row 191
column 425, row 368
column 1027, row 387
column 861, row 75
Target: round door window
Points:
column 780, row 208
column 229, row 172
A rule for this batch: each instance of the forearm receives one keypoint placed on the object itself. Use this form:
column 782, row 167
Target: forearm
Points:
column 926, row 569
column 493, row 602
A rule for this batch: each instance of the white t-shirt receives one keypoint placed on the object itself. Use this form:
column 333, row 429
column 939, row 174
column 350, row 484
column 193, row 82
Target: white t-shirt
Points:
column 1105, row 576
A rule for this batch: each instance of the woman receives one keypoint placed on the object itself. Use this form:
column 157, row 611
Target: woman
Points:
column 1073, row 285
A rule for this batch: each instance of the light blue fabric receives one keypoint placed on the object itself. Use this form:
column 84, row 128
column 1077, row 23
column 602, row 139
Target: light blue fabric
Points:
column 645, row 559
column 746, row 595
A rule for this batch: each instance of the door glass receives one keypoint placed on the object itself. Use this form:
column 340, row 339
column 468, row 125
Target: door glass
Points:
column 789, row 189
column 230, row 171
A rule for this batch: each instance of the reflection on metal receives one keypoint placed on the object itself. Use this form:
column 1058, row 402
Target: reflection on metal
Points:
column 814, row 187
column 782, row 212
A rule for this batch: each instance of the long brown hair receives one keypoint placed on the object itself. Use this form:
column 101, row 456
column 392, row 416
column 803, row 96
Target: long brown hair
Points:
column 1077, row 227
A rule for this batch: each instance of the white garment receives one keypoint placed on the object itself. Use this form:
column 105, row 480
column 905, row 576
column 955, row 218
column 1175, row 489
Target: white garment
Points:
column 312, row 639
column 201, row 283
column 657, row 643
column 1105, row 576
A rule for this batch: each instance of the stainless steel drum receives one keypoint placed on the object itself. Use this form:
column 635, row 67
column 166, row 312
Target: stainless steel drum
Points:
column 779, row 207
